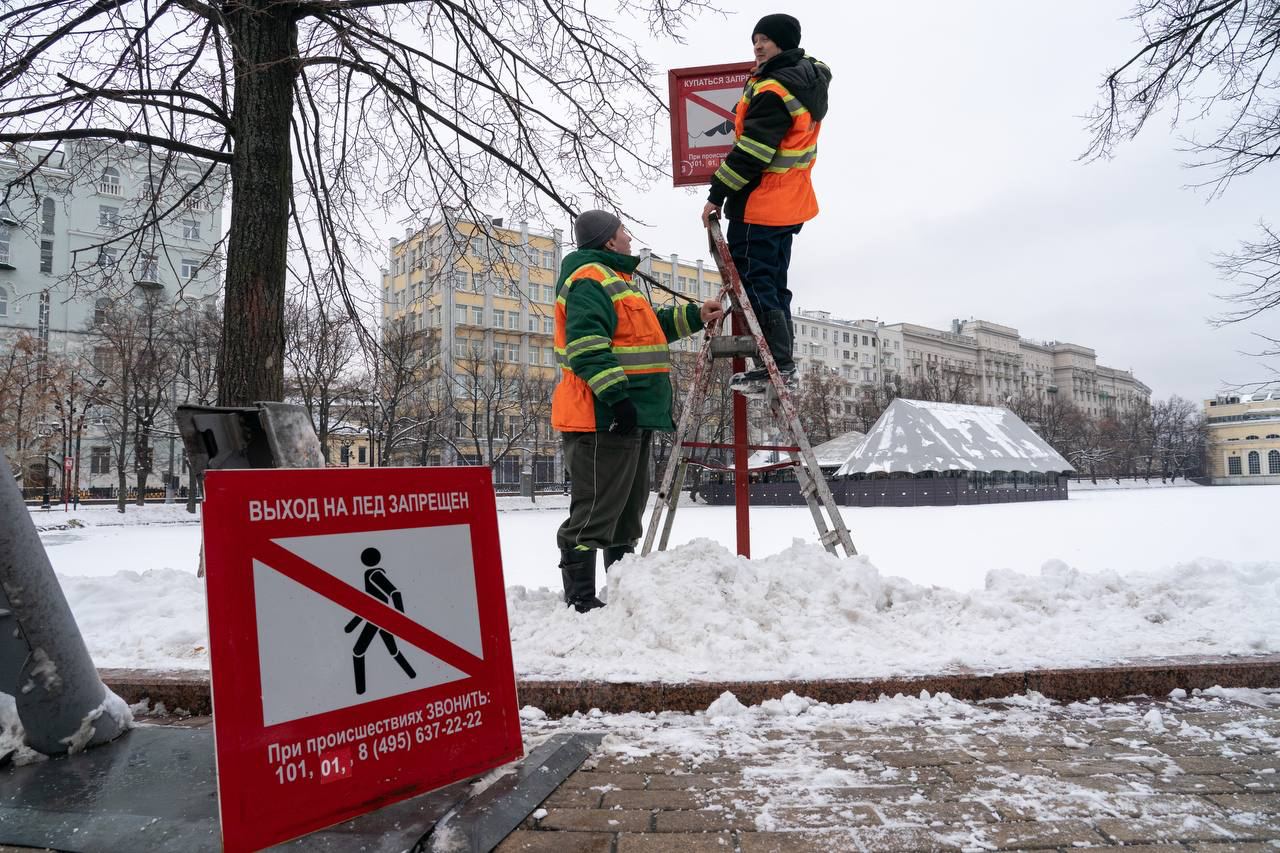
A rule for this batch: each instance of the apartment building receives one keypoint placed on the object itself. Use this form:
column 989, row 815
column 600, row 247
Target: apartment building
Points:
column 1001, row 366
column 1244, row 438
column 482, row 298
column 74, row 239
column 70, row 240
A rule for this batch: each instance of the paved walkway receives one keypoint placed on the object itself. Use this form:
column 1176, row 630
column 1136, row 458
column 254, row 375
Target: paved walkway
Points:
column 1187, row 773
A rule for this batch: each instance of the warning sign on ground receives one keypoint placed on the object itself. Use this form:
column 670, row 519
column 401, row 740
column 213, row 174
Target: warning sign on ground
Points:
column 703, row 101
column 358, row 642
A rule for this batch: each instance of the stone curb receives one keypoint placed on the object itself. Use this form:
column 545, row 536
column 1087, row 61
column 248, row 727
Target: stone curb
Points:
column 188, row 691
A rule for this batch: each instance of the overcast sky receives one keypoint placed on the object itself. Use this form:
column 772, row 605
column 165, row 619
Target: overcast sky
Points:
column 950, row 186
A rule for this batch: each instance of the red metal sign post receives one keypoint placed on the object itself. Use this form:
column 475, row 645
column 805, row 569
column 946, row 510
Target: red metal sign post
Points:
column 358, row 642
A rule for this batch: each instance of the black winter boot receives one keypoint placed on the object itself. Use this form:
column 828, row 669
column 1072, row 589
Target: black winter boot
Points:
column 578, row 571
column 776, row 327
column 614, row 553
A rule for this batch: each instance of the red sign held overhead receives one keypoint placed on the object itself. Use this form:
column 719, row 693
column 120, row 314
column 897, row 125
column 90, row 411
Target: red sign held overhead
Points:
column 358, row 642
column 703, row 101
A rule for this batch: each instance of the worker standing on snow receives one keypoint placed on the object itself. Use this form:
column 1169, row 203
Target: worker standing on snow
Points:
column 765, row 182
column 614, row 391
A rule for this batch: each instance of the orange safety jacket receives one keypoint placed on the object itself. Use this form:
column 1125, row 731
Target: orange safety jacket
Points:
column 611, row 343
column 767, row 177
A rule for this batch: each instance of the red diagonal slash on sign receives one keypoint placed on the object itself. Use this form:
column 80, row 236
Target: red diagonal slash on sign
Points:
column 371, row 609
column 710, row 105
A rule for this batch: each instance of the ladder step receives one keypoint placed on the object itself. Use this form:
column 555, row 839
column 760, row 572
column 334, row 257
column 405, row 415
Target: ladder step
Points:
column 732, row 346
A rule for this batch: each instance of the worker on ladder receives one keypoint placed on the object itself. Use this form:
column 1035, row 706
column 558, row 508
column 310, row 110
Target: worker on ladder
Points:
column 766, row 181
column 614, row 391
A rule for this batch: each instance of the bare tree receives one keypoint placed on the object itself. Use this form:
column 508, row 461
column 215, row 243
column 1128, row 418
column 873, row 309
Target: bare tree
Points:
column 384, row 393
column 134, row 353
column 487, row 398
column 325, row 110
column 1178, row 435
column 25, row 397
column 197, row 335
column 320, row 345
column 820, row 404
column 1212, row 64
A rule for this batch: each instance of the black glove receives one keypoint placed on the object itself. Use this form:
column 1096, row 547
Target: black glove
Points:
column 624, row 417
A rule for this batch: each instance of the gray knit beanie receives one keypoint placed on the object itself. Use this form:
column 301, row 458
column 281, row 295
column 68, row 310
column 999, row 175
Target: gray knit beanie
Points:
column 593, row 228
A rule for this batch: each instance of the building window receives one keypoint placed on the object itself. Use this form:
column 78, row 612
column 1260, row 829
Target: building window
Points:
column 1255, row 462
column 459, row 280
column 532, row 323
column 109, row 182
column 107, row 256
column 189, row 268
column 191, row 229
column 548, row 356
column 1233, row 465
column 4, row 244
column 548, row 326
column 1250, row 438
column 499, row 318
column 99, row 460
column 4, row 302
column 513, row 321
column 48, row 213
column 460, row 315
column 363, row 454
column 548, row 293
column 477, row 315
column 148, row 268
column 103, row 359
column 108, row 216
column 100, row 311
column 46, row 256
column 534, row 354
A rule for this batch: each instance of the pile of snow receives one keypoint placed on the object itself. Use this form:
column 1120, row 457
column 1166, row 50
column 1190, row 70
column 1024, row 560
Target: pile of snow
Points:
column 142, row 620
column 700, row 612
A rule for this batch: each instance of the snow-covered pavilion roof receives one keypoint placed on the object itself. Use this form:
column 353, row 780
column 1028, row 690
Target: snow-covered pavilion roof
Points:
column 829, row 453
column 914, row 436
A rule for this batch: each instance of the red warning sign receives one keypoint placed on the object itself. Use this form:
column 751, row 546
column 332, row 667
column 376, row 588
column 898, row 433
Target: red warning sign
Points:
column 358, row 642
column 703, row 101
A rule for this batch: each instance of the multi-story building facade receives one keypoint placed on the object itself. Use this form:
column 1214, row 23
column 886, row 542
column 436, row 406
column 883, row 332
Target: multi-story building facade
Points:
column 483, row 300
column 1244, row 438
column 92, row 225
column 975, row 359
column 1000, row 366
column 69, row 240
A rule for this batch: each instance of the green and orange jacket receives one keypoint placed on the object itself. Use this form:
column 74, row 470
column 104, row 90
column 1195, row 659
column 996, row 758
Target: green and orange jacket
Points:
column 611, row 343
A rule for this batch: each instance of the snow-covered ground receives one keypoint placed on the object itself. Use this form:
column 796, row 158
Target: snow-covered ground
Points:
column 1019, row 769
column 1108, row 575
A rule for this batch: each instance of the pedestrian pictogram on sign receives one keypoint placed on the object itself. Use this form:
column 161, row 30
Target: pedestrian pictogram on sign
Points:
column 358, row 642
column 703, row 101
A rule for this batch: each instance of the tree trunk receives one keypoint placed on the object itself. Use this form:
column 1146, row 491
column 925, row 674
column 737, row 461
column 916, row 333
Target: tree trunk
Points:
column 251, row 366
column 141, row 499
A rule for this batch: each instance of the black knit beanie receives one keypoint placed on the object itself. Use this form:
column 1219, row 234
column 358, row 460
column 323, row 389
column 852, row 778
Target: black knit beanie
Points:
column 782, row 30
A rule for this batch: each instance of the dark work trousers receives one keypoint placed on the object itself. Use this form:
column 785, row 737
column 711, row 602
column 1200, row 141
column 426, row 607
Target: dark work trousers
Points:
column 762, row 254
column 610, row 485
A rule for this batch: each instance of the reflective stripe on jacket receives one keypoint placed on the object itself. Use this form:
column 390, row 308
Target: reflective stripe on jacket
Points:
column 766, row 177
column 610, row 343
column 785, row 195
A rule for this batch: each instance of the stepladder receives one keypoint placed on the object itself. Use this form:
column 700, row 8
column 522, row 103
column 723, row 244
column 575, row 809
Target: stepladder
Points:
column 746, row 338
